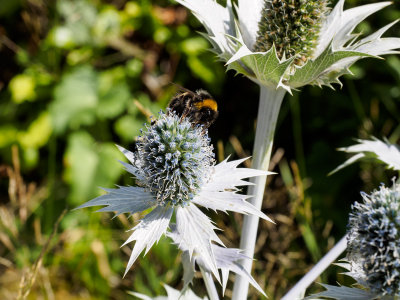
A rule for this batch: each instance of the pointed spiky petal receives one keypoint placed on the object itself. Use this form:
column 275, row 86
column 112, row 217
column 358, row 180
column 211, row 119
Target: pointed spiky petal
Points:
column 217, row 20
column 173, row 294
column 227, row 259
column 196, row 231
column 249, row 13
column 350, row 19
column 228, row 176
column 124, row 199
column 148, row 231
column 343, row 293
column 385, row 152
column 228, row 201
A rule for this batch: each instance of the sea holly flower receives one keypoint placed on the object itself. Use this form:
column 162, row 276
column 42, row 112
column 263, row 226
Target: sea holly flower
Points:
column 175, row 172
column 227, row 259
column 373, row 248
column 287, row 43
column 375, row 149
column 374, row 240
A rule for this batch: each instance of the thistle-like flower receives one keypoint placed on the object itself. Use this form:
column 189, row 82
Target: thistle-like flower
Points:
column 288, row 43
column 175, row 170
column 374, row 240
column 373, row 249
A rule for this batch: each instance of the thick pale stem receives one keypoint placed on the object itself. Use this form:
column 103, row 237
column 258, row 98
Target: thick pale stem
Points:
column 299, row 289
column 268, row 111
column 210, row 286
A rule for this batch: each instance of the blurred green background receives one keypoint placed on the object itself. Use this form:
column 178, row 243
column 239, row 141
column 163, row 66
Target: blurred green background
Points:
column 78, row 76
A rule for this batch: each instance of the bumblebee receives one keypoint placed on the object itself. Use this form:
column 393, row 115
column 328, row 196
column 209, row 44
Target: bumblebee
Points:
column 199, row 107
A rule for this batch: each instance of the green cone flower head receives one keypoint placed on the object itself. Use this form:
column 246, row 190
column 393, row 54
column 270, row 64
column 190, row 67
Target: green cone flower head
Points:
column 292, row 26
column 374, row 240
column 290, row 43
column 174, row 159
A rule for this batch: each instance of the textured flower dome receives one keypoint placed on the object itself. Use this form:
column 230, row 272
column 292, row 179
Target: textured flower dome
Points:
column 374, row 240
column 174, row 158
column 293, row 26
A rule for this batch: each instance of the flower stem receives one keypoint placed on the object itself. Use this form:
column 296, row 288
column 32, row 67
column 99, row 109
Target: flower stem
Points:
column 210, row 286
column 268, row 111
column 300, row 287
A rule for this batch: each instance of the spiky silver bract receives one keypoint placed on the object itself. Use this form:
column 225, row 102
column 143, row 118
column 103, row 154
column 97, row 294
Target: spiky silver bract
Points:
column 374, row 240
column 227, row 260
column 172, row 294
column 175, row 170
column 373, row 149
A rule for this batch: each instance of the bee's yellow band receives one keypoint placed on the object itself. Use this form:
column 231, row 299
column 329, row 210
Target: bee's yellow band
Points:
column 210, row 103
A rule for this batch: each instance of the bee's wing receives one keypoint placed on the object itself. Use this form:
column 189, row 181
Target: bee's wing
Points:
column 182, row 89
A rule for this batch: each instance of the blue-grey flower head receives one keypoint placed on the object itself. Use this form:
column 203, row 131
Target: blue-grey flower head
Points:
column 174, row 167
column 293, row 26
column 174, row 159
column 374, row 240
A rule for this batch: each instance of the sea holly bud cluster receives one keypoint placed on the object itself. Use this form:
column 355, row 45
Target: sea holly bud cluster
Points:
column 374, row 240
column 293, row 26
column 174, row 158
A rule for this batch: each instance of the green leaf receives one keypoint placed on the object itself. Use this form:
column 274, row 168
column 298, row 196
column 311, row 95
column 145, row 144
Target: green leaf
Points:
column 22, row 88
column 266, row 67
column 8, row 135
column 194, row 46
column 90, row 165
column 75, row 99
column 113, row 93
column 38, row 133
column 107, row 24
column 134, row 67
column 312, row 72
column 127, row 127
column 201, row 69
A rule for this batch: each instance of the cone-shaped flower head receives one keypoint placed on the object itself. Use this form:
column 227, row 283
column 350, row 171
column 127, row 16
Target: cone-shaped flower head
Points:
column 173, row 159
column 374, row 240
column 293, row 26
column 290, row 43
column 175, row 171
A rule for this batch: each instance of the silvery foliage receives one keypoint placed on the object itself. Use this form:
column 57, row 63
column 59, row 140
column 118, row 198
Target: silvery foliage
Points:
column 374, row 149
column 337, row 48
column 172, row 294
column 227, row 260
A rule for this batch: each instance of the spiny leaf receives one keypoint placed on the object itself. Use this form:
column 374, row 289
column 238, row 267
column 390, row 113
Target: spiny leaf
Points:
column 313, row 69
